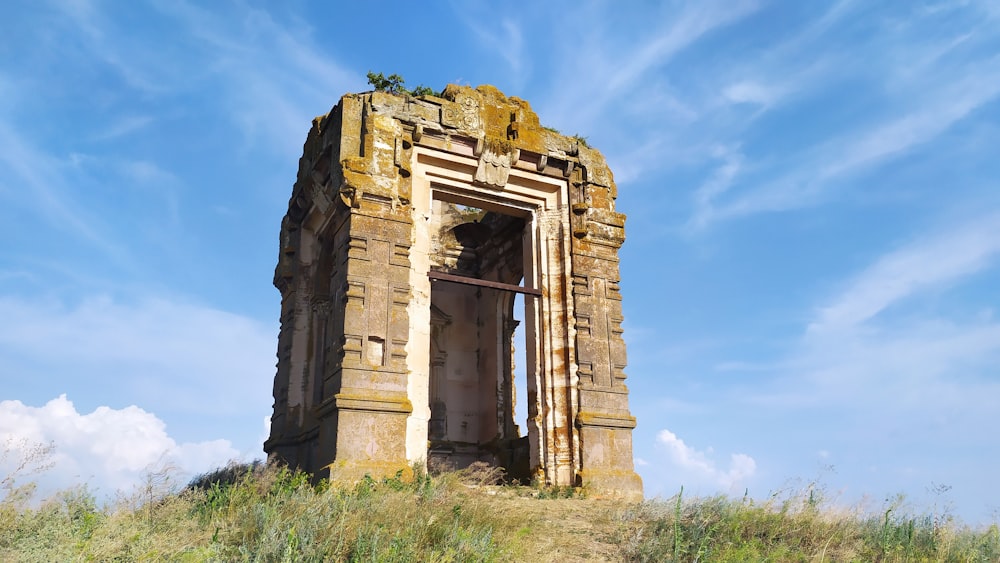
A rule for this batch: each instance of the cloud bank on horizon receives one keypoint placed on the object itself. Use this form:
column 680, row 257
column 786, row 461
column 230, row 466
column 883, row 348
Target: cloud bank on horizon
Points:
column 812, row 189
column 108, row 449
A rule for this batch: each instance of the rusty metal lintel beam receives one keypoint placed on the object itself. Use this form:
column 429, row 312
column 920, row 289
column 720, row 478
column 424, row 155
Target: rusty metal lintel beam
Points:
column 441, row 276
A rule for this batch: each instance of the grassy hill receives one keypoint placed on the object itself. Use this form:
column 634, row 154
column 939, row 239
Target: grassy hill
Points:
column 256, row 513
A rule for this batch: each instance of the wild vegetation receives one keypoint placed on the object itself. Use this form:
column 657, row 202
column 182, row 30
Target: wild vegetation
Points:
column 254, row 512
column 395, row 84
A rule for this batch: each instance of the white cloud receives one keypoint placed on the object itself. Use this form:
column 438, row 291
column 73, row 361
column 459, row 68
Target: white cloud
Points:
column 265, row 429
column 108, row 449
column 698, row 466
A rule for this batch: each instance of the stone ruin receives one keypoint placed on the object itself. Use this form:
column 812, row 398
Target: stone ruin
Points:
column 412, row 226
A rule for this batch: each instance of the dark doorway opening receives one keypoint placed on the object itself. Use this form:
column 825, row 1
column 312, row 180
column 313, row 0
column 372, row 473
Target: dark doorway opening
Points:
column 477, row 264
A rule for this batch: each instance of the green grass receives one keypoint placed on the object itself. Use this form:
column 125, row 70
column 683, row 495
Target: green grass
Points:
column 266, row 513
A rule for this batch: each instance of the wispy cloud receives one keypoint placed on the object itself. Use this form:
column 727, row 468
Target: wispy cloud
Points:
column 123, row 126
column 853, row 354
column 603, row 69
column 730, row 97
column 692, row 23
column 74, row 194
column 506, row 40
column 751, row 91
column 181, row 356
column 894, row 367
column 934, row 262
column 925, row 94
column 946, row 106
column 130, row 59
column 274, row 78
column 721, row 180
column 37, row 181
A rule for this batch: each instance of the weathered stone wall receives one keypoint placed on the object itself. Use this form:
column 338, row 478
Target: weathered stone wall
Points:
column 355, row 357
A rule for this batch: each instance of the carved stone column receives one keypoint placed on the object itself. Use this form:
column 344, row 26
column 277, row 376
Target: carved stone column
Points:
column 604, row 421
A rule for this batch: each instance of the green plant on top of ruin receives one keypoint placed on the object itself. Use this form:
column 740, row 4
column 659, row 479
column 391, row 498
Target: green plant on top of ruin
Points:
column 395, row 84
column 422, row 90
column 392, row 84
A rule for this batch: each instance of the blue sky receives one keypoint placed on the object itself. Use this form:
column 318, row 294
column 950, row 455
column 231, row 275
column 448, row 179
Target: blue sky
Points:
column 813, row 192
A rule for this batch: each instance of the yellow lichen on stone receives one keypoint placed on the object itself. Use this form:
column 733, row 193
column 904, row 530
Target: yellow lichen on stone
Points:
column 506, row 123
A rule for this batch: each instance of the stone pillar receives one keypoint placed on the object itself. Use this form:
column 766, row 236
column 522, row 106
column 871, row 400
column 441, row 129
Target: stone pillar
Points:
column 366, row 409
column 604, row 421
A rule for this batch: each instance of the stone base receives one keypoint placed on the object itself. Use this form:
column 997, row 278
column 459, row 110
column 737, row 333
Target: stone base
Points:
column 607, row 456
column 623, row 484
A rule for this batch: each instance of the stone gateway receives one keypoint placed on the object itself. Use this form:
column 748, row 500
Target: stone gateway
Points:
column 414, row 224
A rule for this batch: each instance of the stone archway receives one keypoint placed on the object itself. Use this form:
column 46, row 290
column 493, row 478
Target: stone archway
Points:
column 375, row 242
